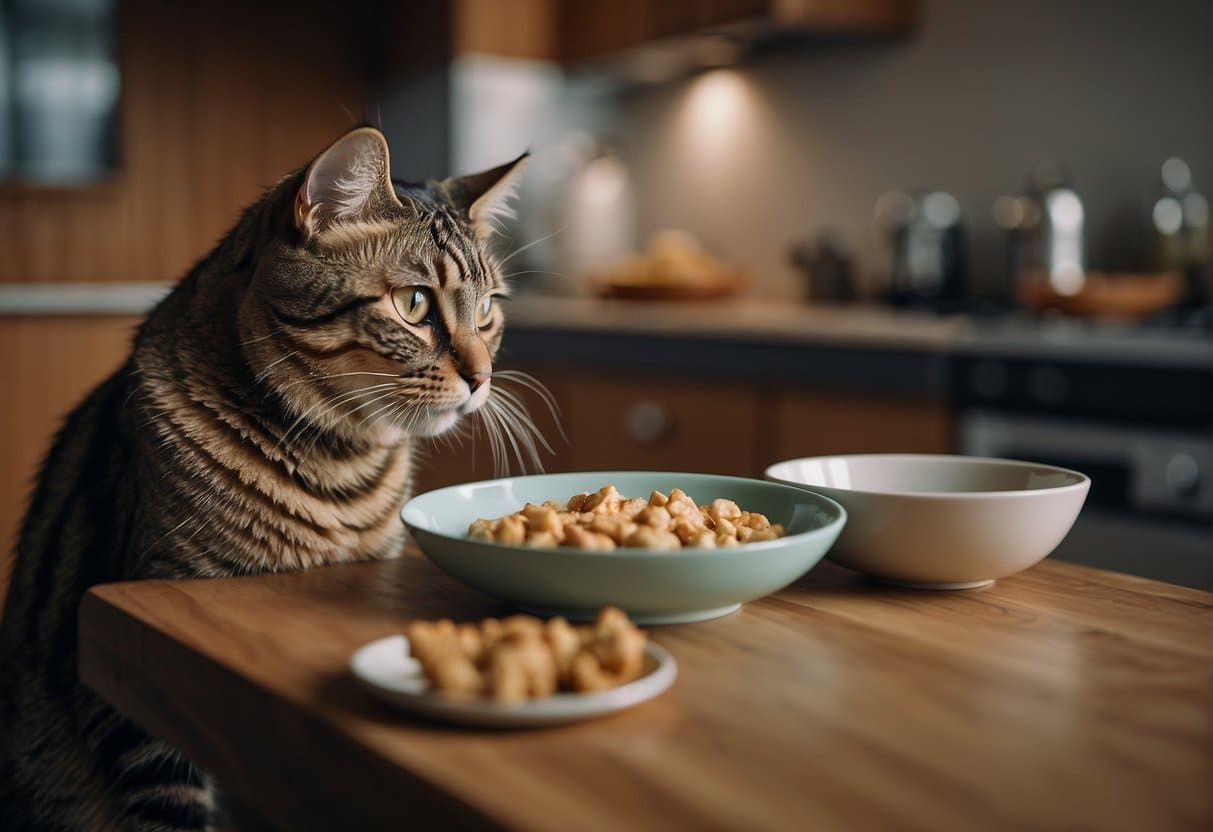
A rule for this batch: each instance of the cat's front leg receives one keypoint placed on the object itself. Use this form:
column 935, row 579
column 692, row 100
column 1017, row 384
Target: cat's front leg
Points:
column 150, row 786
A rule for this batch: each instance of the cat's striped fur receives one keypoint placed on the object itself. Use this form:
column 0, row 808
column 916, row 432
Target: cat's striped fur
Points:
column 265, row 420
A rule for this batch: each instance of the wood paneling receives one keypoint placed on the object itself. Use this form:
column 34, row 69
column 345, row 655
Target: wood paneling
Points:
column 660, row 424
column 812, row 423
column 219, row 100
column 46, row 367
column 1060, row 698
column 593, row 28
column 518, row 29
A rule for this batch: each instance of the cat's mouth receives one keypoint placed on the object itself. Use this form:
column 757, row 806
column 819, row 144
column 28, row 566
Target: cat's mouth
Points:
column 441, row 419
column 440, row 422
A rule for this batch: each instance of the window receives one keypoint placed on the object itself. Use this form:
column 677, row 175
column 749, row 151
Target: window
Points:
column 58, row 90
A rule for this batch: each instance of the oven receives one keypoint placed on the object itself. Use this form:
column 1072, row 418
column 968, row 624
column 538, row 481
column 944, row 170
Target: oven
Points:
column 1143, row 433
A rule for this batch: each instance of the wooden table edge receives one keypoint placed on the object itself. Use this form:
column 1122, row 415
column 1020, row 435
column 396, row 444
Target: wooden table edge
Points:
column 359, row 766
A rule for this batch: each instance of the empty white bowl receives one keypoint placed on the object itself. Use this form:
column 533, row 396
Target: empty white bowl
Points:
column 942, row 522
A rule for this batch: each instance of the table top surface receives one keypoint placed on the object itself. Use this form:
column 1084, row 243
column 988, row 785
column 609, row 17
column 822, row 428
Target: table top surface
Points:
column 1064, row 696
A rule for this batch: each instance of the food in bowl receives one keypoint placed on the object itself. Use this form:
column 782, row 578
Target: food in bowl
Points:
column 606, row 520
column 653, row 587
column 522, row 657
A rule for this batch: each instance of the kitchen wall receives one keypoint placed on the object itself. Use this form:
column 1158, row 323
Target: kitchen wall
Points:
column 808, row 137
column 218, row 101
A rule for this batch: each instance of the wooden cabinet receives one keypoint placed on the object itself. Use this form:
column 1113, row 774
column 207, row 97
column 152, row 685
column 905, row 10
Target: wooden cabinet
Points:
column 49, row 365
column 569, row 31
column 611, row 424
column 726, row 427
column 812, row 424
column 660, row 425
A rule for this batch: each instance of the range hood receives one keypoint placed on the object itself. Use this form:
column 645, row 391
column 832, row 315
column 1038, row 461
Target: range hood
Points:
column 576, row 32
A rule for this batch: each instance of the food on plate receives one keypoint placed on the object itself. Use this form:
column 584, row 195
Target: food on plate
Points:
column 672, row 260
column 522, row 657
column 606, row 520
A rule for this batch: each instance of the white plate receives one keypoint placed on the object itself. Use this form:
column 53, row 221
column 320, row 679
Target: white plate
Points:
column 387, row 670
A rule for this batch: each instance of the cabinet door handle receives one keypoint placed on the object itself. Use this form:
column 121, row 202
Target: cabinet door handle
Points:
column 649, row 422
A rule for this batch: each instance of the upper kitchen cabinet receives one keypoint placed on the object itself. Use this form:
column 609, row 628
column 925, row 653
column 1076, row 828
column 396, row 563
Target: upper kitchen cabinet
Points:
column 573, row 31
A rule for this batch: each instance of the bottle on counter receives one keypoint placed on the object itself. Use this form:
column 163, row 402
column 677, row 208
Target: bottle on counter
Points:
column 1045, row 230
column 827, row 267
column 926, row 236
column 597, row 210
column 1180, row 218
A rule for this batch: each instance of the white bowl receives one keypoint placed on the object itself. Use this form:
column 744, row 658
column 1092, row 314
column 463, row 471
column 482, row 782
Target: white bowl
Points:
column 942, row 522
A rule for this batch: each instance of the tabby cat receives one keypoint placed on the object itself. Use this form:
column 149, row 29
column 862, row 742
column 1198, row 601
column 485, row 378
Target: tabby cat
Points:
column 266, row 420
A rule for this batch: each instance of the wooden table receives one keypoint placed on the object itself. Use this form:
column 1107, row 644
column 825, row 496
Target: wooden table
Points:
column 1063, row 698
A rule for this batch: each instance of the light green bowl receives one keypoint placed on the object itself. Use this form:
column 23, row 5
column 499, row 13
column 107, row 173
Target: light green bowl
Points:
column 653, row 587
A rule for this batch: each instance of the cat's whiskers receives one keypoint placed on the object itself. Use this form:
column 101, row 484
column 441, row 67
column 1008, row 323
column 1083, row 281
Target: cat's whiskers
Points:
column 526, row 431
column 514, row 404
column 532, row 271
column 538, row 388
column 529, row 245
column 329, row 403
column 510, row 427
column 391, row 389
column 275, row 331
column 531, row 382
column 369, row 416
column 513, row 435
column 491, row 430
column 265, row 371
column 519, row 415
column 314, row 379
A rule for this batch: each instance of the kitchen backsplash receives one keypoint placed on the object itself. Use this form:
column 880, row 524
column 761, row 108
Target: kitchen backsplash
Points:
column 796, row 143
column 803, row 139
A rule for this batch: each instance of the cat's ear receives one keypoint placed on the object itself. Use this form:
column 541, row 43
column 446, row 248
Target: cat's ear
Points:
column 349, row 181
column 486, row 196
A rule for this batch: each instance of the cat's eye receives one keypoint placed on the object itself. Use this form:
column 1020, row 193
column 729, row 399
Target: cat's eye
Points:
column 412, row 303
column 484, row 312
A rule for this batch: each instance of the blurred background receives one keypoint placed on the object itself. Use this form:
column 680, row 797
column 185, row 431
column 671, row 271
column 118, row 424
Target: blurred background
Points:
column 751, row 229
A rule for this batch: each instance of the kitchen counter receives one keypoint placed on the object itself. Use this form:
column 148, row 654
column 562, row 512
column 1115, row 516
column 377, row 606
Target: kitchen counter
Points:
column 741, row 320
column 867, row 327
column 745, row 321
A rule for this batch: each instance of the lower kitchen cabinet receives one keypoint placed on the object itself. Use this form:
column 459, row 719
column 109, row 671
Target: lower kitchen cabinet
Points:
column 661, row 425
column 724, row 427
column 818, row 423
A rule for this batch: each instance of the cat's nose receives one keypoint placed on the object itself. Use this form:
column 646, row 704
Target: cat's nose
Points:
column 472, row 361
column 475, row 380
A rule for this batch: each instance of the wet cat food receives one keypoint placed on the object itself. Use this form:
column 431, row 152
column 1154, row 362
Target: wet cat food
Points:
column 521, row 657
column 606, row 520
